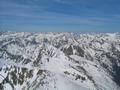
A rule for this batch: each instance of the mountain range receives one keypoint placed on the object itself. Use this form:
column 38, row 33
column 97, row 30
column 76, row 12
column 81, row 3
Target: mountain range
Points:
column 59, row 61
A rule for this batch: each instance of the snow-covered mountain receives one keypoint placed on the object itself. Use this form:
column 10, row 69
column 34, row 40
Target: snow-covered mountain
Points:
column 59, row 61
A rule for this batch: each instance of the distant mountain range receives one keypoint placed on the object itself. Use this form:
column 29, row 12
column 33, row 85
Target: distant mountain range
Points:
column 59, row 61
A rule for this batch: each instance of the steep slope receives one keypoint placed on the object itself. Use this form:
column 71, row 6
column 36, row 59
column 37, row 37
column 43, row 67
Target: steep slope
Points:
column 59, row 61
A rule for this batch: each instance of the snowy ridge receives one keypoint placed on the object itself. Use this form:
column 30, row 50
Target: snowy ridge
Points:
column 59, row 61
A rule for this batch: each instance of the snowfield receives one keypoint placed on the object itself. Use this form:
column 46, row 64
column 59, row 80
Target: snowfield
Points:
column 59, row 61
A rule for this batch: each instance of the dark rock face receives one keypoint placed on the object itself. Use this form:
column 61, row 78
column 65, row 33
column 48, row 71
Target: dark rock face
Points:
column 37, row 61
column 68, row 51
column 116, row 74
column 80, row 52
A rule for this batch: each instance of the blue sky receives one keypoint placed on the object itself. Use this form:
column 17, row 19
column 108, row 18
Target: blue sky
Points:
column 60, row 15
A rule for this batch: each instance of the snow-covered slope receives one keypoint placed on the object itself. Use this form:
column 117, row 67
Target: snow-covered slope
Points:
column 59, row 61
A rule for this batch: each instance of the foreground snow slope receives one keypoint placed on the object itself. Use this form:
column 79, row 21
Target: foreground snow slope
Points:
column 59, row 61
